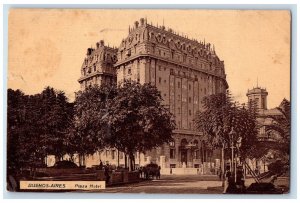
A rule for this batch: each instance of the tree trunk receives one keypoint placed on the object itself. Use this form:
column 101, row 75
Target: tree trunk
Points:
column 131, row 168
column 118, row 158
column 223, row 165
column 125, row 158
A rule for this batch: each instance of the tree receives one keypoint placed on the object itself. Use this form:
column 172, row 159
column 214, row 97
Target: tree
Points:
column 89, row 128
column 55, row 118
column 137, row 119
column 37, row 126
column 281, row 124
column 225, row 123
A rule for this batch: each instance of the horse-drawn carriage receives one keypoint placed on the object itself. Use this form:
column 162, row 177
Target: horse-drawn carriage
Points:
column 151, row 171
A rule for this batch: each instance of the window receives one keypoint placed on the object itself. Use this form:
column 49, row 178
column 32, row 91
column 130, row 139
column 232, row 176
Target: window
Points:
column 159, row 80
column 94, row 68
column 159, row 52
column 190, row 112
column 172, row 143
column 190, row 86
column 113, row 154
column 165, row 68
column 263, row 104
column 172, row 54
column 121, row 55
column 171, row 71
column 178, row 84
column 128, row 52
column 196, row 154
column 129, row 71
column 256, row 102
column 84, row 71
column 172, row 153
column 159, row 68
column 184, row 57
column 204, row 90
column 190, row 100
column 165, row 81
column 179, row 110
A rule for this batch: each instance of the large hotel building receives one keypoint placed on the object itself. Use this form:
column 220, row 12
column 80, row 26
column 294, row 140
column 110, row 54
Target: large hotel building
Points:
column 184, row 71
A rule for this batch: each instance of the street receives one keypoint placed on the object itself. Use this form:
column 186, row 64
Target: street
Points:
column 176, row 184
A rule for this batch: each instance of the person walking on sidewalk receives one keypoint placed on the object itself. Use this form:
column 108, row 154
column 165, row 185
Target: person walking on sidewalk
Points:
column 227, row 179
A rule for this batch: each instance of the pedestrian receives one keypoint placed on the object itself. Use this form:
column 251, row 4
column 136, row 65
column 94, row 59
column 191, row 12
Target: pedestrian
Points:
column 220, row 174
column 106, row 173
column 141, row 172
column 101, row 165
column 227, row 178
column 158, row 175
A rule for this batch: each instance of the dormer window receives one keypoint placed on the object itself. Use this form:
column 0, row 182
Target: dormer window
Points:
column 128, row 52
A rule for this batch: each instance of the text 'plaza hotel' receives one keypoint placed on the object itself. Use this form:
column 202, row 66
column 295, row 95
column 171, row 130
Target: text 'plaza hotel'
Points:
column 183, row 70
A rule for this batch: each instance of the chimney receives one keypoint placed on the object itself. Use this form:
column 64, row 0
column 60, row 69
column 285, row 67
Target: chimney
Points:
column 136, row 24
column 97, row 45
column 102, row 43
column 142, row 21
column 89, row 51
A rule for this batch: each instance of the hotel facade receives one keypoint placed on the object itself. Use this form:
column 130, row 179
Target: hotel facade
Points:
column 184, row 71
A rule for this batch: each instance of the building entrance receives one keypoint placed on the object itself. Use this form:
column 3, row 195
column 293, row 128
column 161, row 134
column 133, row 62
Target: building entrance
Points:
column 184, row 156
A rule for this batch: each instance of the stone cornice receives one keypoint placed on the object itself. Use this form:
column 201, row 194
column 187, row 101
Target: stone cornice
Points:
column 94, row 74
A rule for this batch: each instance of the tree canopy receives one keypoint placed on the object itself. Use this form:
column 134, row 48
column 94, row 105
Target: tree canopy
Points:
column 89, row 128
column 37, row 125
column 137, row 119
column 224, row 122
column 129, row 117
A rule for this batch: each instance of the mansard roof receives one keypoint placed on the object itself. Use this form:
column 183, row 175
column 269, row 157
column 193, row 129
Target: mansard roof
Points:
column 142, row 32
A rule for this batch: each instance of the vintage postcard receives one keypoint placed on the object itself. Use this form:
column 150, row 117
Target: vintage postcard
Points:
column 149, row 101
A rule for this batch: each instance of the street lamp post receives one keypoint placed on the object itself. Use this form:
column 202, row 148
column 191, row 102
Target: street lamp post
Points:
column 231, row 133
column 238, row 145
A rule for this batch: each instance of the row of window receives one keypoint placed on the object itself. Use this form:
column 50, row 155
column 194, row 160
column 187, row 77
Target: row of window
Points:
column 184, row 59
column 179, row 126
column 88, row 70
column 179, row 111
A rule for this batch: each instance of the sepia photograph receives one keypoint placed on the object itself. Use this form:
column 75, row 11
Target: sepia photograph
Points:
column 168, row 101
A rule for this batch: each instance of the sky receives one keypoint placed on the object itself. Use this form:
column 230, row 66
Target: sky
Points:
column 46, row 47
